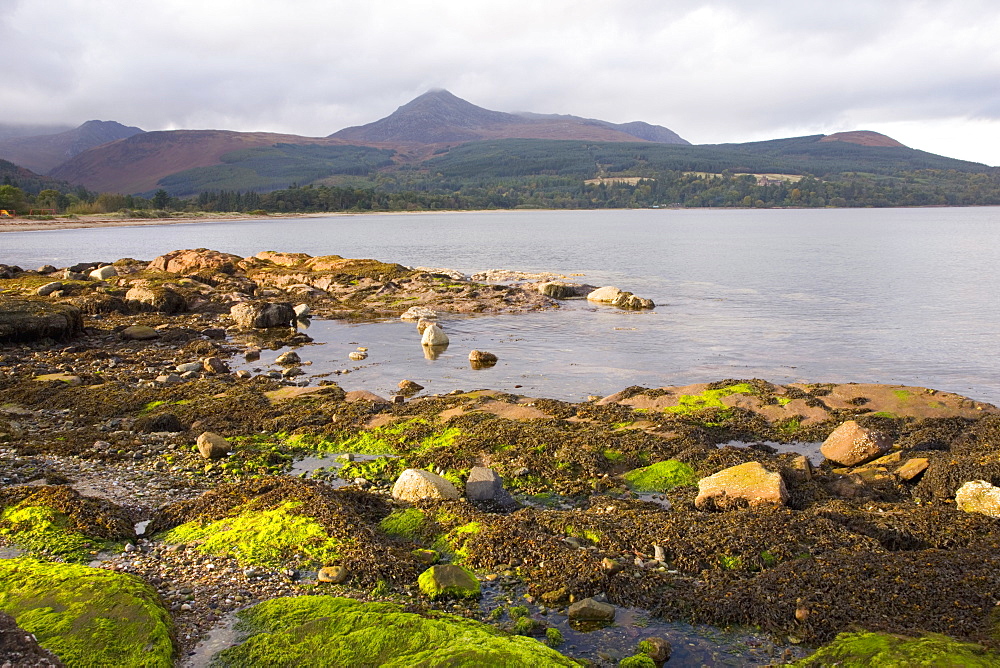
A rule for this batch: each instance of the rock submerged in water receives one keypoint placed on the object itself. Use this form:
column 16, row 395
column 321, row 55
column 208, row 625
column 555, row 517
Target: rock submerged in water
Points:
column 481, row 359
column 740, row 486
column 620, row 298
column 851, row 444
column 434, row 336
column 590, row 610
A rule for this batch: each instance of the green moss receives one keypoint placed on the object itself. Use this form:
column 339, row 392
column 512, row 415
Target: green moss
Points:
column 443, row 439
column 613, row 456
column 731, row 563
column 526, row 626
column 517, row 611
column 885, row 414
column 39, row 529
column 888, row 651
column 784, row 401
column 903, row 395
column 261, row 537
column 768, row 559
column 324, row 631
column 689, row 403
column 553, row 637
column 88, row 617
column 637, row 661
column 404, row 523
column 586, row 534
column 382, row 469
column 454, row 542
column 661, row 476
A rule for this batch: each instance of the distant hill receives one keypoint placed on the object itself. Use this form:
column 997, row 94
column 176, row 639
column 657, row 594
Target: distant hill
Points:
column 41, row 153
column 816, row 155
column 137, row 164
column 27, row 180
column 13, row 130
column 438, row 117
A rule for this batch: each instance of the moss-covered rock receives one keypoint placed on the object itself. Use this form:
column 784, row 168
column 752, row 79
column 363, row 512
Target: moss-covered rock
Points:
column 329, row 631
column 58, row 521
column 661, row 476
column 883, row 650
column 87, row 616
column 449, row 581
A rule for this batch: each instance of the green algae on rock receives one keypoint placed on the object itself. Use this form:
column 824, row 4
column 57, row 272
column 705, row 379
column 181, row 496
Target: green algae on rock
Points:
column 881, row 650
column 331, row 631
column 260, row 537
column 87, row 616
column 58, row 521
column 449, row 581
column 660, row 477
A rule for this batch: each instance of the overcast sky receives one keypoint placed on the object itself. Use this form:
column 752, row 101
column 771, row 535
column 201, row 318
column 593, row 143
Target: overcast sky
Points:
column 925, row 73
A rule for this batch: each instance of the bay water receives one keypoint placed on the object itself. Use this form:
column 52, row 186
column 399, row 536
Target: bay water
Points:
column 908, row 296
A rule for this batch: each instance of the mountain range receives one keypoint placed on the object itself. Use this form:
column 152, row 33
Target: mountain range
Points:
column 435, row 136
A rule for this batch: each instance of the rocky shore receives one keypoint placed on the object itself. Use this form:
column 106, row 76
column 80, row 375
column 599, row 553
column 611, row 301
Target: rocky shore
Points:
column 150, row 498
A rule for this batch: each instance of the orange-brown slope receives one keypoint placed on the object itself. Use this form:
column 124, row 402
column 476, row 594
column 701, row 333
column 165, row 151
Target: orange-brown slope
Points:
column 864, row 138
column 138, row 163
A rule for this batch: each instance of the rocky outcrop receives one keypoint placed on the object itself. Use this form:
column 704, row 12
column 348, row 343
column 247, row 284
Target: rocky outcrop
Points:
column 620, row 298
column 851, row 444
column 194, row 260
column 262, row 315
column 32, row 320
column 740, row 486
column 419, row 485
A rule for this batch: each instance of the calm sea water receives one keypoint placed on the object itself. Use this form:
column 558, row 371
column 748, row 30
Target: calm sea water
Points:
column 890, row 295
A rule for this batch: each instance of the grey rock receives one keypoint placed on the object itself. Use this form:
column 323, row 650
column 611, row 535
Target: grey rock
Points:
column 589, row 610
column 262, row 315
column 212, row 446
column 418, row 485
column 484, row 485
column 418, row 312
column 104, row 273
column 557, row 290
column 49, row 288
column 301, row 311
column 288, row 358
column 434, row 336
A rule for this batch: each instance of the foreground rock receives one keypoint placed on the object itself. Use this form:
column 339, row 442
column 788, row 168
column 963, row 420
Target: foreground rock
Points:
column 851, row 444
column 740, row 486
column 294, row 631
column 420, row 485
column 31, row 320
column 212, row 446
column 485, row 486
column 979, row 496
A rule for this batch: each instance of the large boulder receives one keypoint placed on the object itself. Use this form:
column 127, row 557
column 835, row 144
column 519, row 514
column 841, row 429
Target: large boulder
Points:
column 620, row 298
column 158, row 299
column 740, row 486
column 261, row 315
column 192, row 261
column 979, row 496
column 31, row 320
column 419, row 485
column 104, row 273
column 851, row 444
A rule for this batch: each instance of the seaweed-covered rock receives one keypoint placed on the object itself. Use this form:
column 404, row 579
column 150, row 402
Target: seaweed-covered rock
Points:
column 881, row 650
column 326, row 631
column 744, row 485
column 851, row 444
column 449, row 581
column 33, row 319
column 87, row 616
column 660, row 477
column 557, row 290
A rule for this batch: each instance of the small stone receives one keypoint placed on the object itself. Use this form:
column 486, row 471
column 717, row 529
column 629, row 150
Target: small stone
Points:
column 434, row 336
column 409, row 387
column 481, row 359
column 357, row 355
column 449, row 580
column 332, row 574
column 49, row 288
column 252, row 354
column 288, row 358
column 661, row 649
column 913, row 468
column 301, row 311
column 212, row 446
column 293, row 371
column 139, row 333
column 979, row 496
column 214, row 365
column 104, row 273
column 188, row 366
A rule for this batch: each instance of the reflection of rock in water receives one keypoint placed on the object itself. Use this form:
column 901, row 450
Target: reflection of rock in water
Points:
column 434, row 352
column 303, row 323
column 480, row 359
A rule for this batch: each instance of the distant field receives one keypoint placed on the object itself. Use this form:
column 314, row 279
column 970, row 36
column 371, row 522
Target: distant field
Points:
column 790, row 178
column 611, row 180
